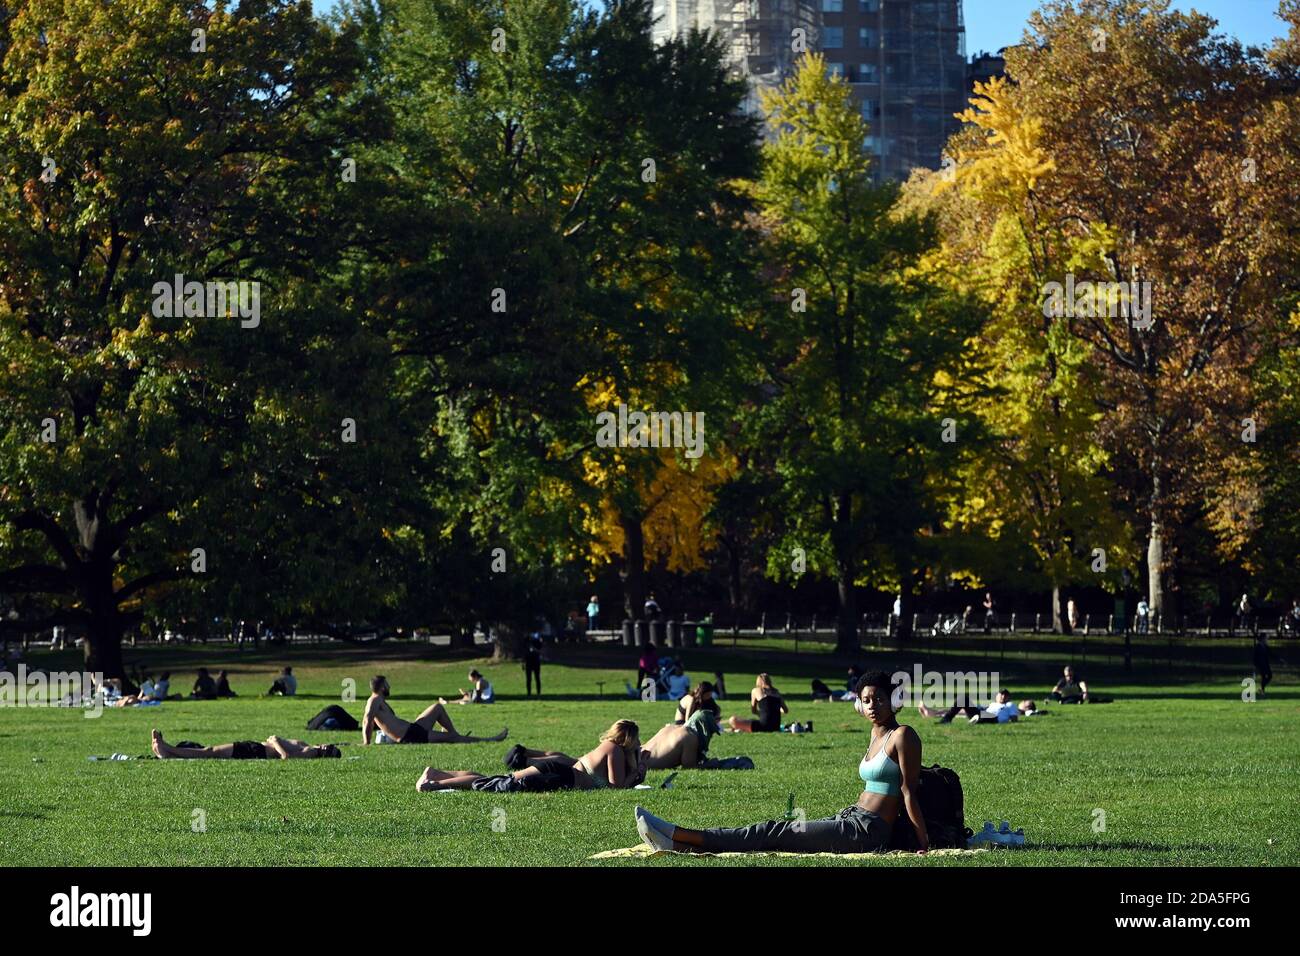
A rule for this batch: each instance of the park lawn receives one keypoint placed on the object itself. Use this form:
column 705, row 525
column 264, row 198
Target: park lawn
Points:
column 1186, row 776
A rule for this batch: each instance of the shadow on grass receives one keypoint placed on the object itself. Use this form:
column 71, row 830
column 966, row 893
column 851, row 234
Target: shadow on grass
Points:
column 1121, row 846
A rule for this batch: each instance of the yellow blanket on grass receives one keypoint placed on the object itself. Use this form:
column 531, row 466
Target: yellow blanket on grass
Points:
column 642, row 851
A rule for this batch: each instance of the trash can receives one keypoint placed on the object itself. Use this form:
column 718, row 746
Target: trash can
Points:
column 674, row 634
column 704, row 632
column 627, row 634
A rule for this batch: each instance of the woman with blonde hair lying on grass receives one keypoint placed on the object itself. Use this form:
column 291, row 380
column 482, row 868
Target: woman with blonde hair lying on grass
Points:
column 617, row 762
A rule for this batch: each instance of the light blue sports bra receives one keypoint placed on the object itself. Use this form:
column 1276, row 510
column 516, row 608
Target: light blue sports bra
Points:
column 881, row 774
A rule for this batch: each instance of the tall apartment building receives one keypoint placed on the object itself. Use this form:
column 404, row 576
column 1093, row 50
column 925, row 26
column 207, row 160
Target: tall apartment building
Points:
column 904, row 60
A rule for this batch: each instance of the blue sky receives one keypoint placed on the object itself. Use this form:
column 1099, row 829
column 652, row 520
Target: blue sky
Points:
column 991, row 24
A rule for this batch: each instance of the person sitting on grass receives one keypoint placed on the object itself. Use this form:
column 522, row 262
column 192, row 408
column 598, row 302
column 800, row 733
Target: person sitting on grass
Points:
column 1068, row 690
column 379, row 716
column 275, row 748
column 205, row 688
column 679, row 683
column 890, row 772
column 701, row 698
column 480, row 690
column 223, row 685
column 285, row 685
column 765, row 701
column 617, row 762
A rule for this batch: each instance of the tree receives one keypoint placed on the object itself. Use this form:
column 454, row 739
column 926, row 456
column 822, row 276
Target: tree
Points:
column 145, row 141
column 1043, row 482
column 577, row 233
column 866, row 351
column 1141, row 112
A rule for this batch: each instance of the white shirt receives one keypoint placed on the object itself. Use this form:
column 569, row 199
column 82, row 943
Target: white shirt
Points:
column 290, row 684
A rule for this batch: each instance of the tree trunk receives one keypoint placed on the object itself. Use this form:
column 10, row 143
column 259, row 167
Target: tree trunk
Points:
column 1057, row 618
column 633, row 568
column 1155, row 543
column 846, row 624
column 733, row 576
column 510, row 643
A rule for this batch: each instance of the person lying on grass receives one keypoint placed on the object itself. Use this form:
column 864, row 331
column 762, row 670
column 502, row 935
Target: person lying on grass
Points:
column 890, row 772
column 765, row 701
column 617, row 762
column 275, row 748
column 379, row 715
column 1000, row 710
column 682, row 745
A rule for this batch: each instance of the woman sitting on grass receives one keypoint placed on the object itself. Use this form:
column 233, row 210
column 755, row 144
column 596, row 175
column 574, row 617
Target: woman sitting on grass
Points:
column 890, row 773
column 617, row 762
column 701, row 698
column 275, row 748
column 765, row 701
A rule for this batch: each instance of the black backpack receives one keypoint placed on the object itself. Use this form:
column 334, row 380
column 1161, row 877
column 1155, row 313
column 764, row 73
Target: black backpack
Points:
column 342, row 719
column 942, row 809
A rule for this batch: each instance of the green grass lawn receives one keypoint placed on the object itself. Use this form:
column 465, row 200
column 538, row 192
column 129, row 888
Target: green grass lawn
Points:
column 1187, row 774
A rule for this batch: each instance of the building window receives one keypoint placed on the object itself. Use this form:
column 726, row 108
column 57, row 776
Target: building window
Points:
column 833, row 38
column 868, row 6
column 866, row 37
column 832, row 6
column 834, row 69
column 870, row 109
column 863, row 73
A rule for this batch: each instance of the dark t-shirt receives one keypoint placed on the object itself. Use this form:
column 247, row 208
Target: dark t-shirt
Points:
column 205, row 687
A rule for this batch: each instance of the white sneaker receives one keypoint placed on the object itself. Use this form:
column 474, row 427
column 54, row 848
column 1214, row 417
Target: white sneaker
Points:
column 647, row 825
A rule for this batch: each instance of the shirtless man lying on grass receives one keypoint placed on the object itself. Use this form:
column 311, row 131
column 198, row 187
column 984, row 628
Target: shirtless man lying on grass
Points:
column 274, row 748
column 379, row 715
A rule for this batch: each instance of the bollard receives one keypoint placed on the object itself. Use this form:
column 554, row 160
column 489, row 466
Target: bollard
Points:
column 674, row 634
column 762, row 624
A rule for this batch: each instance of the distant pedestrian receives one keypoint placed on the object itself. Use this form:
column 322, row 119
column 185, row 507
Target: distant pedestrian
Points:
column 1244, row 612
column 533, row 665
column 1071, row 616
column 1143, row 616
column 988, row 612
column 652, row 610
column 593, row 613
column 1263, row 669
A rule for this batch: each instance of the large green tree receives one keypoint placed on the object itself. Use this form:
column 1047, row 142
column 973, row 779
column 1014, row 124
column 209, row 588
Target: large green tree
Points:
column 142, row 141
column 867, row 352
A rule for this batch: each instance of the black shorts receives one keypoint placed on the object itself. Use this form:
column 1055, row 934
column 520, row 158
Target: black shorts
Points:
column 564, row 777
column 415, row 734
column 248, row 750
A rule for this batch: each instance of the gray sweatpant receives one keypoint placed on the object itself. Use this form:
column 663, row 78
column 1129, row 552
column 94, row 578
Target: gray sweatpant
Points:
column 852, row 830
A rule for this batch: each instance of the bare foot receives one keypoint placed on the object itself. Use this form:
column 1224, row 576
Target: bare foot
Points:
column 157, row 745
column 428, row 780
